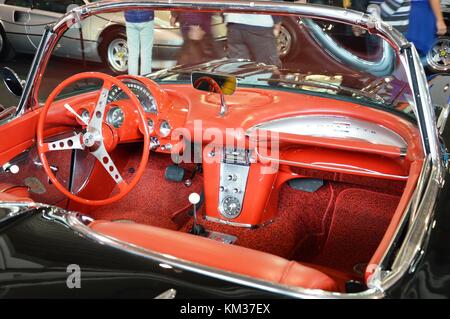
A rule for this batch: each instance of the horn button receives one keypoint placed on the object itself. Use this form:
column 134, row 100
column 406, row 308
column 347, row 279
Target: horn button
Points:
column 92, row 139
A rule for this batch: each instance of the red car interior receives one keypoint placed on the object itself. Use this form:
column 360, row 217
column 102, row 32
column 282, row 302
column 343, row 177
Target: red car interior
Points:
column 218, row 255
column 318, row 239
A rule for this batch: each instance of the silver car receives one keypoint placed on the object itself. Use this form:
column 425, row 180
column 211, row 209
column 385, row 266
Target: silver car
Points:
column 102, row 39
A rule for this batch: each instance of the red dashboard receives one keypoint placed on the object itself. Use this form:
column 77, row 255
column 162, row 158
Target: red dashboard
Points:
column 194, row 118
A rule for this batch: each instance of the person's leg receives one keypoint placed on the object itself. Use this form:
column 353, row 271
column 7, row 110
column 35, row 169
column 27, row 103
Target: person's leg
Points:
column 263, row 46
column 236, row 47
column 147, row 47
column 133, row 48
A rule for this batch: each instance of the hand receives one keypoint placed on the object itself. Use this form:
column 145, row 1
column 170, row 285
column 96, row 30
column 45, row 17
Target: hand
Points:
column 173, row 21
column 441, row 27
column 196, row 33
column 358, row 31
column 277, row 30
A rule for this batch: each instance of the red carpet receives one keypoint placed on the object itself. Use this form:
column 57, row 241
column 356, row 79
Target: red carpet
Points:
column 338, row 226
column 301, row 215
column 360, row 219
column 154, row 199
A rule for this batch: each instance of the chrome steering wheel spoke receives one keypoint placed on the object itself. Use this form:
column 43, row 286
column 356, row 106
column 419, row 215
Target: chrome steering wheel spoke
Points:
column 103, row 157
column 95, row 124
column 69, row 143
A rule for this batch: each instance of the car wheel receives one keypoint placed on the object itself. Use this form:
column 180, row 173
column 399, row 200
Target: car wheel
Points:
column 438, row 59
column 287, row 38
column 6, row 51
column 114, row 52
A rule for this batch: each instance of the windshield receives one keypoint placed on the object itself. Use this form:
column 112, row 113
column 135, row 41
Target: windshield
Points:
column 279, row 52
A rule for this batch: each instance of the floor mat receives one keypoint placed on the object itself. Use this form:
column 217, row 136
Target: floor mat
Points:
column 154, row 199
column 301, row 217
column 359, row 222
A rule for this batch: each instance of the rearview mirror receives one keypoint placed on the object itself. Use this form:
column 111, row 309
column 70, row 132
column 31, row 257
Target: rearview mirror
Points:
column 12, row 81
column 222, row 84
column 213, row 82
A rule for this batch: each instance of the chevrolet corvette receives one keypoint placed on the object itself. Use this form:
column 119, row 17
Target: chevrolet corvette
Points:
column 326, row 177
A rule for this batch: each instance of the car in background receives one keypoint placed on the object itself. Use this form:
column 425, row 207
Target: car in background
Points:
column 22, row 24
column 103, row 39
column 438, row 59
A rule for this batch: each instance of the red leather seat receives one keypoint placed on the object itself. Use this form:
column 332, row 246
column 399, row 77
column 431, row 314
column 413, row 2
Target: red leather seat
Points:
column 226, row 257
column 14, row 193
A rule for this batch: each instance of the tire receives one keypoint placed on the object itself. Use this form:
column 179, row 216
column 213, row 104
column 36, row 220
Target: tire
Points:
column 114, row 51
column 6, row 51
column 438, row 59
column 287, row 39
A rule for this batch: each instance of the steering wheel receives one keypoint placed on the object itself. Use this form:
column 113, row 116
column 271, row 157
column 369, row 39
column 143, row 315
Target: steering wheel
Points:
column 93, row 138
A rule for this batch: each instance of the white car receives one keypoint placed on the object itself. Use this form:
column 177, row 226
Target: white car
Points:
column 101, row 39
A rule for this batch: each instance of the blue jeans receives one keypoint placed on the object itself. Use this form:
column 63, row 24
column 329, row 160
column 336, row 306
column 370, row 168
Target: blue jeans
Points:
column 140, row 41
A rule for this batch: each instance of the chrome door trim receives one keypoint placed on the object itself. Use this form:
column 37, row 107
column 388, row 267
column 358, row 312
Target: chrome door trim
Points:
column 443, row 116
column 73, row 220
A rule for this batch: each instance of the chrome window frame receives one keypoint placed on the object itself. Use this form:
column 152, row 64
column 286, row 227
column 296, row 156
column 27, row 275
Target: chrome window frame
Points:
column 421, row 205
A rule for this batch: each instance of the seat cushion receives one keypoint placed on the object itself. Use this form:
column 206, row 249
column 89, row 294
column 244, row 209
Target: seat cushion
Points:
column 14, row 193
column 226, row 257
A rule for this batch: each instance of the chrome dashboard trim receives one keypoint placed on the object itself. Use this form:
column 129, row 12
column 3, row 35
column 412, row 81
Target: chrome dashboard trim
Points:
column 333, row 126
column 326, row 166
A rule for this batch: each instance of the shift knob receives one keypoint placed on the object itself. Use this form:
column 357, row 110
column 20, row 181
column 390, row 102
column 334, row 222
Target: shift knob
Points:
column 194, row 198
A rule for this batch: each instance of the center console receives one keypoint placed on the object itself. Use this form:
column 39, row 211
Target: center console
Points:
column 237, row 188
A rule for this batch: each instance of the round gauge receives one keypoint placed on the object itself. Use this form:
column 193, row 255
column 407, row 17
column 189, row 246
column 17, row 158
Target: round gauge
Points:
column 231, row 207
column 151, row 125
column 165, row 129
column 143, row 94
column 85, row 115
column 115, row 117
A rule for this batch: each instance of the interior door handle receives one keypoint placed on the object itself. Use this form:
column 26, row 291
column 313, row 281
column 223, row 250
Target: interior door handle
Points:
column 169, row 294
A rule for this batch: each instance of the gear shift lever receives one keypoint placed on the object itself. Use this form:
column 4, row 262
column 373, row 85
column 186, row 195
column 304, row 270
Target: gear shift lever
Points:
column 197, row 229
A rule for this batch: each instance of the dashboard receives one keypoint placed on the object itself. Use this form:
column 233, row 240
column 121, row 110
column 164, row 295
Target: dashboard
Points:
column 313, row 132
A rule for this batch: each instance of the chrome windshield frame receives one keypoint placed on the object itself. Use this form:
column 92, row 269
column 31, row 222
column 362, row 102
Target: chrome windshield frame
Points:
column 416, row 78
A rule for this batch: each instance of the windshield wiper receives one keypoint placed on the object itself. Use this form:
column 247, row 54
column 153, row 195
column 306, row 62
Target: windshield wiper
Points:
column 329, row 86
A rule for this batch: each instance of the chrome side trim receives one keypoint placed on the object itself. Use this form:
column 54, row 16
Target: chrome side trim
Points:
column 17, row 208
column 169, row 294
column 77, row 225
column 442, row 120
column 412, row 248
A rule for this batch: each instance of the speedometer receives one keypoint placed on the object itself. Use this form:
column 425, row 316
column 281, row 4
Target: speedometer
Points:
column 144, row 96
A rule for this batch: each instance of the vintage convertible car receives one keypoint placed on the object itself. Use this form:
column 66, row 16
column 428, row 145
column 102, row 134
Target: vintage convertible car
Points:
column 228, row 179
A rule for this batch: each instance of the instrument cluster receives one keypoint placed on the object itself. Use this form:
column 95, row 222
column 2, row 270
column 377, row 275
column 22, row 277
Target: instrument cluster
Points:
column 160, row 127
column 116, row 115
